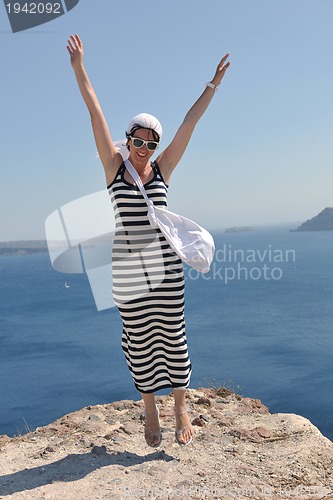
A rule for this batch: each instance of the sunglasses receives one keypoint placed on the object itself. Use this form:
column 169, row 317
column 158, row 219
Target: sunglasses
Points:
column 138, row 143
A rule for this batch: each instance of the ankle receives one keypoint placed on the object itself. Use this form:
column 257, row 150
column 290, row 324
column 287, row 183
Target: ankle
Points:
column 151, row 411
column 182, row 409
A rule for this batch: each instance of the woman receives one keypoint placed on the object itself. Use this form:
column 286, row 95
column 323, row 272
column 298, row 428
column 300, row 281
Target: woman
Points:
column 153, row 339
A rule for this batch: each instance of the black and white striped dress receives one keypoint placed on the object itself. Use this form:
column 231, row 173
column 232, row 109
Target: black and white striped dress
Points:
column 148, row 289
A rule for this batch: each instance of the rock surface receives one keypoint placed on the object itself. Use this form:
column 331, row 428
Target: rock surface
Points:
column 321, row 222
column 240, row 451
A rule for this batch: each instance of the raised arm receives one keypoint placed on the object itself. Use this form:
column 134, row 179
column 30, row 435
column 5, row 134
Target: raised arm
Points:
column 109, row 155
column 170, row 157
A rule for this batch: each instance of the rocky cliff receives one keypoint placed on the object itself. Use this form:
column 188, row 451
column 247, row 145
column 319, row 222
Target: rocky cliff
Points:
column 321, row 222
column 240, row 451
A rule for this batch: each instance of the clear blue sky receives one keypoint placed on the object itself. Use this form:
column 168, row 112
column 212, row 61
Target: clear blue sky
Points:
column 261, row 154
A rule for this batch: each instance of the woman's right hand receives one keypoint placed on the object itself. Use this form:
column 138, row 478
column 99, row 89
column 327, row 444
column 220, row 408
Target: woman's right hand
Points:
column 75, row 50
column 221, row 69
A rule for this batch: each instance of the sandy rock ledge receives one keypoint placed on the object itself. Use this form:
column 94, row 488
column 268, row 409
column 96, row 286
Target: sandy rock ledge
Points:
column 240, row 451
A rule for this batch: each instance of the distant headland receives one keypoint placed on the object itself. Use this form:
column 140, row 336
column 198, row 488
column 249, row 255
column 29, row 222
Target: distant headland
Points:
column 321, row 222
column 239, row 229
column 22, row 247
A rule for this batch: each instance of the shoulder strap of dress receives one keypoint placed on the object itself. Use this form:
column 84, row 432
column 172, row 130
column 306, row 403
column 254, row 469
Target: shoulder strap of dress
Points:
column 158, row 171
column 119, row 172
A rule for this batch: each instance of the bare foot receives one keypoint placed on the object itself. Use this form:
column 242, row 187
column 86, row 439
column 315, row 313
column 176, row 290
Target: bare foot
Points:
column 153, row 434
column 184, row 429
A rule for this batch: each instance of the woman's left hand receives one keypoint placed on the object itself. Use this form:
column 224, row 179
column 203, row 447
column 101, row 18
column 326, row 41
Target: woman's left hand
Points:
column 221, row 69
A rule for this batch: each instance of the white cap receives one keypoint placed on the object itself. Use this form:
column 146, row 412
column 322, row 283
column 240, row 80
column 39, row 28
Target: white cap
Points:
column 144, row 120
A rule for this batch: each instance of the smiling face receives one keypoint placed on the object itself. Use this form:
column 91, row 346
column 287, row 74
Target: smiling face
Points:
column 141, row 156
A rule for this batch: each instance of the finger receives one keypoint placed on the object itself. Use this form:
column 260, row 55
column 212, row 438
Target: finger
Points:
column 224, row 58
column 78, row 40
column 72, row 47
column 224, row 68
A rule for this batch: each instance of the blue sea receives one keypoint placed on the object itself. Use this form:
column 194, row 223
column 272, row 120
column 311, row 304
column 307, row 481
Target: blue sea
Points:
column 260, row 322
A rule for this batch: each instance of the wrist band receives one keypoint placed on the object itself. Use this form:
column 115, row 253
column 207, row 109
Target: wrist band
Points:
column 212, row 86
